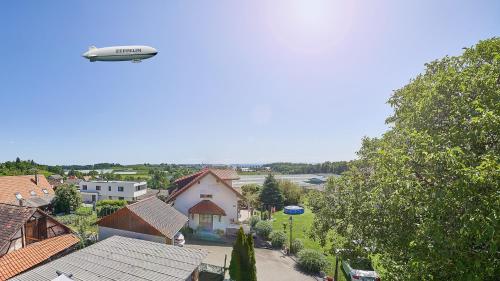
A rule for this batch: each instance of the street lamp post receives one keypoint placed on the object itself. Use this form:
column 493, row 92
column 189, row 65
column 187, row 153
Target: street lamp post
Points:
column 291, row 225
column 292, row 210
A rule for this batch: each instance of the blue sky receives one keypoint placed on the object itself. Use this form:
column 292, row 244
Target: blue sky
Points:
column 234, row 81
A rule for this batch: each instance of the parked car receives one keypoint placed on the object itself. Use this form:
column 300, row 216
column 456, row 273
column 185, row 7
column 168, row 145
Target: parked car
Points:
column 179, row 240
column 360, row 270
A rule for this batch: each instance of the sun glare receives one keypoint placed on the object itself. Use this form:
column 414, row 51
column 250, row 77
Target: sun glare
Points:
column 311, row 26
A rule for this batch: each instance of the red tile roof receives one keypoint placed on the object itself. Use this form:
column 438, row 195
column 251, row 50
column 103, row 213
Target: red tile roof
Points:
column 185, row 180
column 198, row 176
column 225, row 174
column 23, row 259
column 10, row 185
column 207, row 207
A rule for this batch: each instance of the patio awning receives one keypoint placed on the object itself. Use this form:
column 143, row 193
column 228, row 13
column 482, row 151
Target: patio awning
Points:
column 207, row 207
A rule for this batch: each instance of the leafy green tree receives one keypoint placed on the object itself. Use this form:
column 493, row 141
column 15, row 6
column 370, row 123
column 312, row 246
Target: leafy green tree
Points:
column 270, row 195
column 303, row 168
column 251, row 192
column 291, row 192
column 425, row 195
column 158, row 180
column 75, row 173
column 66, row 199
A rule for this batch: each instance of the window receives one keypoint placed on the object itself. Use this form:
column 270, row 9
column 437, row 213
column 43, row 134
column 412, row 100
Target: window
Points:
column 120, row 188
column 19, row 196
column 205, row 195
column 97, row 187
column 109, row 188
column 110, row 197
column 33, row 193
column 84, row 187
column 220, row 217
column 121, row 198
column 45, row 191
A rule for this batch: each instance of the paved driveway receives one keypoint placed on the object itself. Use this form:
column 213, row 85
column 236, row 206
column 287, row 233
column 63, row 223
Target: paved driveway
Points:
column 271, row 264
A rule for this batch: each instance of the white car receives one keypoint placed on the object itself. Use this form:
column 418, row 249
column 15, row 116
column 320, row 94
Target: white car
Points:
column 360, row 270
column 179, row 240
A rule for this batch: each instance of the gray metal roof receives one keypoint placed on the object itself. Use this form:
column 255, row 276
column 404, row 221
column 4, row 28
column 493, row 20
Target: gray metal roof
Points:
column 121, row 258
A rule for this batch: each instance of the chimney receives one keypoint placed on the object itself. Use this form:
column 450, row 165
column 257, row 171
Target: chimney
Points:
column 36, row 178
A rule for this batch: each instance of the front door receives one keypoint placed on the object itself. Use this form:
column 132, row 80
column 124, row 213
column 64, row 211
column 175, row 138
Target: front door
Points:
column 206, row 221
column 93, row 198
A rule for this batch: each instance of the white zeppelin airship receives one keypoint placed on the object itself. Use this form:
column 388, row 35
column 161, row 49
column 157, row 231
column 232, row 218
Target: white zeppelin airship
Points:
column 120, row 53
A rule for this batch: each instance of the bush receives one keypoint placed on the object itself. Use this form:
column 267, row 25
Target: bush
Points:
column 84, row 211
column 186, row 230
column 297, row 246
column 107, row 207
column 264, row 228
column 312, row 261
column 278, row 239
column 107, row 210
column 253, row 221
column 118, row 203
column 264, row 215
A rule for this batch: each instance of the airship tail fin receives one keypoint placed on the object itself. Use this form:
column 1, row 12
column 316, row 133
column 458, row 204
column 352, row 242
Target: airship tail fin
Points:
column 92, row 48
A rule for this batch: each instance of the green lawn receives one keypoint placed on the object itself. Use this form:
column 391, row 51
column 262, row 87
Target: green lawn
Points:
column 301, row 226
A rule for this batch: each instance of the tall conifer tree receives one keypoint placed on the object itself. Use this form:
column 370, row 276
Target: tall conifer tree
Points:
column 271, row 195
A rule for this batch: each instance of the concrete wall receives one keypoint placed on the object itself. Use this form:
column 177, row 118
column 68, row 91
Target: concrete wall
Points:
column 105, row 232
column 221, row 195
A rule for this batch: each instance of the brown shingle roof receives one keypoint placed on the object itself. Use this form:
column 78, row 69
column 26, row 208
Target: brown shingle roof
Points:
column 12, row 218
column 23, row 259
column 207, row 207
column 24, row 185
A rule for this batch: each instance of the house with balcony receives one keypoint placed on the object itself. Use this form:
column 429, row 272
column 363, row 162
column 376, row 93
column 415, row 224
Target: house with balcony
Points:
column 208, row 199
column 93, row 191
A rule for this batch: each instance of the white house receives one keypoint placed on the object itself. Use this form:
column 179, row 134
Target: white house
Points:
column 113, row 190
column 208, row 199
